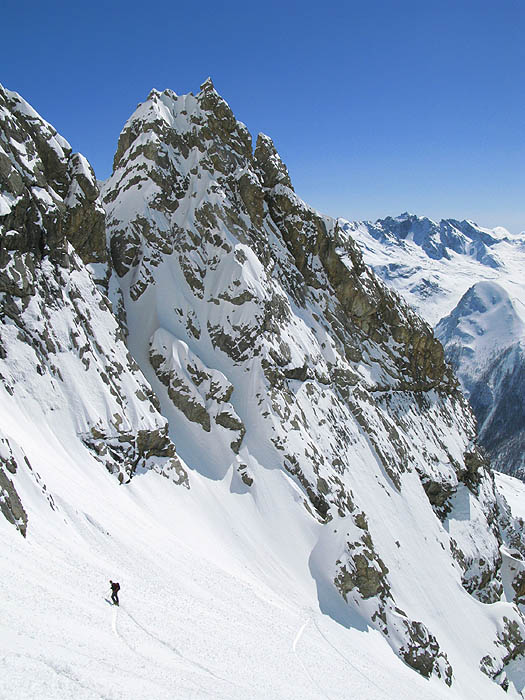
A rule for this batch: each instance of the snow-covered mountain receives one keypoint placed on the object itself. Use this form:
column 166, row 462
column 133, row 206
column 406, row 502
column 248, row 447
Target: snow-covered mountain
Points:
column 483, row 338
column 340, row 532
column 483, row 323
column 433, row 264
column 64, row 363
column 469, row 281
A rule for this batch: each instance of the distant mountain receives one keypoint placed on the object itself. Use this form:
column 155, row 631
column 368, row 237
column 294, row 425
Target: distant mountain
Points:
column 470, row 280
column 207, row 393
column 483, row 324
column 433, row 264
column 483, row 339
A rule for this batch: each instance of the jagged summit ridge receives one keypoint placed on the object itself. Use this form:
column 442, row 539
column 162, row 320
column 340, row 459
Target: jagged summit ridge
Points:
column 439, row 239
column 44, row 184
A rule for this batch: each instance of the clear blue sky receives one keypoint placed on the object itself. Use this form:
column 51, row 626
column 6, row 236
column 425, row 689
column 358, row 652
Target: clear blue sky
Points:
column 376, row 107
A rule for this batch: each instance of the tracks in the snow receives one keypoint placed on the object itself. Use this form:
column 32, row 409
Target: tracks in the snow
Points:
column 180, row 659
column 307, row 672
column 298, row 636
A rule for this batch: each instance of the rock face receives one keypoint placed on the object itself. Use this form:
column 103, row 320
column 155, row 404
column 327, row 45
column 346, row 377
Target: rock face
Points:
column 49, row 194
column 271, row 345
column 61, row 349
column 10, row 503
column 249, row 324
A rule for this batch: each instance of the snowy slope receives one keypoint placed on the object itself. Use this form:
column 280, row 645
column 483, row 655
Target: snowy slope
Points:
column 340, row 533
column 483, row 323
column 483, row 339
column 207, row 608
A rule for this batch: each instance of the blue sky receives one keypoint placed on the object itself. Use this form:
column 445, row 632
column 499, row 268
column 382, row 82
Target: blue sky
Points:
column 376, row 107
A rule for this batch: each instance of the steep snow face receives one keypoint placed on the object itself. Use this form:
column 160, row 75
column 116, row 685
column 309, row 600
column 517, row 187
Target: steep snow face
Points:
column 65, row 371
column 274, row 350
column 433, row 264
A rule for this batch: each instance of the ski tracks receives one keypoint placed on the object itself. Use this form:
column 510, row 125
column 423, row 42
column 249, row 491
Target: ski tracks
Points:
column 307, row 672
column 114, row 623
column 122, row 639
column 298, row 636
column 182, row 660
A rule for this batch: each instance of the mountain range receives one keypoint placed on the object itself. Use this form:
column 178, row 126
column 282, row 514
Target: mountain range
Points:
column 468, row 282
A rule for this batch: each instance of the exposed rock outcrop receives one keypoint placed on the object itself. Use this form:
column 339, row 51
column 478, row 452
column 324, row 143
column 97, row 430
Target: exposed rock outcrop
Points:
column 58, row 336
column 276, row 354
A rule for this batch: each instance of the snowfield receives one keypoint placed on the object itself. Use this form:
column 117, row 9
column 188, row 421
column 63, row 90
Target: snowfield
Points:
column 209, row 609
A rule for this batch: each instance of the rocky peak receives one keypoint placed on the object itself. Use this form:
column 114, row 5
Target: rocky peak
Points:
column 58, row 336
column 279, row 365
column 280, row 347
column 49, row 194
column 437, row 240
column 210, row 98
column 274, row 171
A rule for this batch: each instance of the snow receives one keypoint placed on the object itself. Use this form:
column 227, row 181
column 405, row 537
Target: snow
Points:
column 434, row 285
column 7, row 202
column 514, row 492
column 484, row 323
column 57, row 142
column 227, row 588
column 210, row 606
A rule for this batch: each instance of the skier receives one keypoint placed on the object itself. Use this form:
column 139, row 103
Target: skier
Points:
column 115, row 588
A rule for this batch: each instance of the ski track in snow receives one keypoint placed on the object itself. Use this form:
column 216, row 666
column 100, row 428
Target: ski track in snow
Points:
column 296, row 641
column 349, row 663
column 122, row 639
column 150, row 660
column 305, row 669
column 172, row 649
column 237, row 568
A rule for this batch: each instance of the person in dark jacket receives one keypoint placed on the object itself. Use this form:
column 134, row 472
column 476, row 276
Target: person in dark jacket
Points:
column 115, row 588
